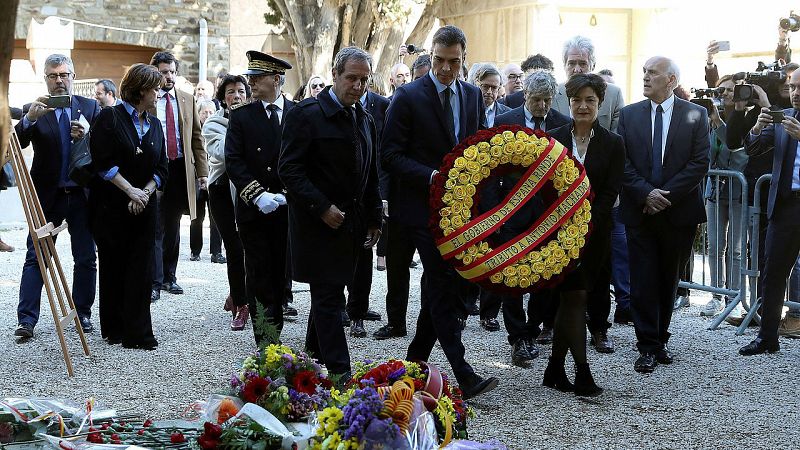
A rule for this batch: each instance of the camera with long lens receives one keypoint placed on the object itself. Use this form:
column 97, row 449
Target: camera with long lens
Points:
column 791, row 23
column 709, row 98
column 767, row 76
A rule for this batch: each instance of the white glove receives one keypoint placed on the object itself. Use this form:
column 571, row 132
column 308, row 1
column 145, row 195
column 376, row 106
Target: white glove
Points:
column 281, row 199
column 266, row 202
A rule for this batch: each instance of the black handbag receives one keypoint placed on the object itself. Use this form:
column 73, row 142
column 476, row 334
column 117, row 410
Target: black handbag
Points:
column 80, row 168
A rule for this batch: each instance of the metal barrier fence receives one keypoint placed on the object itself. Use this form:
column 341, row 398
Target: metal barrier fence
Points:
column 731, row 241
column 84, row 88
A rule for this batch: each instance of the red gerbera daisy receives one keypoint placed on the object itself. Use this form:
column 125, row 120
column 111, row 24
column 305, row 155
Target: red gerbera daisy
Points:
column 306, row 382
column 255, row 389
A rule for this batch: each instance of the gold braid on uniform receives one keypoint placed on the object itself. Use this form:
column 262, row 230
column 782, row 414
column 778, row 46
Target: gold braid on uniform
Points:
column 251, row 191
column 266, row 66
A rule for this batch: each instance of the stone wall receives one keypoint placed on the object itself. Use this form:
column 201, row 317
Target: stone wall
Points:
column 168, row 24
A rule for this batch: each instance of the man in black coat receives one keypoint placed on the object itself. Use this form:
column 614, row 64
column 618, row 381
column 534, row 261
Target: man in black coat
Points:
column 51, row 131
column 252, row 147
column 425, row 120
column 328, row 164
column 661, row 204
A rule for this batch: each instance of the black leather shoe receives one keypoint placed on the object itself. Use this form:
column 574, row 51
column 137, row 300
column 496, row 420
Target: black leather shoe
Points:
column 218, row 258
column 357, row 329
column 413, row 264
column 288, row 311
column 584, row 382
column 113, row 340
column 150, row 344
column 372, row 315
column 474, row 309
column 345, row 319
column 477, row 385
column 194, row 257
column 555, row 376
column 759, row 346
column 646, row 363
column 546, row 336
column 601, row 342
column 532, row 348
column 388, row 332
column 155, row 296
column 520, row 356
column 665, row 356
column 172, row 288
column 623, row 316
column 86, row 324
column 24, row 330
column 490, row 324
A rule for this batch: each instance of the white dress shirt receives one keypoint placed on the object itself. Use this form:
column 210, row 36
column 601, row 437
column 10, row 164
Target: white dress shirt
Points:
column 161, row 113
column 530, row 123
column 666, row 119
column 279, row 103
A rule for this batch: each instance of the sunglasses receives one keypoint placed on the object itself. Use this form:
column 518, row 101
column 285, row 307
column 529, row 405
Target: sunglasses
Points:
column 317, row 86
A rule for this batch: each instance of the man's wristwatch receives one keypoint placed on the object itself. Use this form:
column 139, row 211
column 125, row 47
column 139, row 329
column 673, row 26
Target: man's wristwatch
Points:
column 147, row 191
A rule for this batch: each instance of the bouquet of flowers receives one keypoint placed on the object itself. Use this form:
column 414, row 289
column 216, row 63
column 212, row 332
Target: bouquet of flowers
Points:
column 291, row 385
column 393, row 404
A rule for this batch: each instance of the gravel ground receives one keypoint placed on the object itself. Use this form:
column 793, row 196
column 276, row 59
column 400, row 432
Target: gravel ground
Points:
column 709, row 398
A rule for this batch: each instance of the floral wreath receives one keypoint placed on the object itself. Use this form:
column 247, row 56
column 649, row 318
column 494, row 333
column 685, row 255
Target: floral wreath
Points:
column 540, row 256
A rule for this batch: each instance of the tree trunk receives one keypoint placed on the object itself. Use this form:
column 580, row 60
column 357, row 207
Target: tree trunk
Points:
column 8, row 17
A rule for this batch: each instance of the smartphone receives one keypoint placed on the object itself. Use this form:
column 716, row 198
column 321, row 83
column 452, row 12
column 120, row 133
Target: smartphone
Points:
column 724, row 46
column 58, row 101
column 777, row 116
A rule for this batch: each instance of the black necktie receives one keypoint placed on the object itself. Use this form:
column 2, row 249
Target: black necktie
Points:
column 448, row 113
column 658, row 132
column 273, row 117
column 537, row 123
column 351, row 114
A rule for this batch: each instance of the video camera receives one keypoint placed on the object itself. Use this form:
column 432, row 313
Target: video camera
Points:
column 411, row 49
column 791, row 23
column 709, row 98
column 767, row 76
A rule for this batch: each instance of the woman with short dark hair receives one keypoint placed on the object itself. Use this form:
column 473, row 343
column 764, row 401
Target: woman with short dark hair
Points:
column 602, row 153
column 127, row 148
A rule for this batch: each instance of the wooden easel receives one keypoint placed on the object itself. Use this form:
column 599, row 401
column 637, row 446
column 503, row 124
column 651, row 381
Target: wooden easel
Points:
column 42, row 233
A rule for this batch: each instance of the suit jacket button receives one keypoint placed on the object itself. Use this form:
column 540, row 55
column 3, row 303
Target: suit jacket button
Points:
column 258, row 149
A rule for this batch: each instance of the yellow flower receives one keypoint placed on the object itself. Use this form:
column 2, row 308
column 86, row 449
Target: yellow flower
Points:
column 524, row 271
column 508, row 136
column 568, row 243
column 568, row 164
column 459, row 192
column 535, row 277
column 471, row 153
column 476, row 178
column 492, row 164
column 457, row 207
column 486, row 171
column 559, row 253
column 534, row 256
column 581, row 241
column 508, row 149
column 496, row 151
column 547, row 274
column 505, row 159
column 570, row 176
column 538, row 267
column 512, row 281
column 484, row 246
column 558, row 183
column 587, row 216
column 464, row 178
column 453, row 173
column 516, row 160
column 574, row 252
column 444, row 223
column 509, row 271
column 552, row 246
column 496, row 140
column 472, row 250
column 496, row 278
column 457, row 221
column 461, row 255
column 483, row 146
column 545, row 252
column 577, row 219
column 473, row 167
column 468, row 259
column 460, row 162
column 447, row 198
column 557, row 269
column 470, row 188
column 519, row 148
column 524, row 282
column 468, row 202
column 444, row 212
column 483, row 158
column 466, row 214
column 448, row 231
column 584, row 228
column 450, row 184
column 573, row 231
column 527, row 161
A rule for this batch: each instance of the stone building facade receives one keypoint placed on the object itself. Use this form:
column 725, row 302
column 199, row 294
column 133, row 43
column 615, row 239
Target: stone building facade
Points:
column 137, row 29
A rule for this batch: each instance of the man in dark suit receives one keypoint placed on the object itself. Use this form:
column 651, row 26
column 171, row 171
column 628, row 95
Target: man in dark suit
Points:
column 661, row 202
column 489, row 81
column 359, row 289
column 188, row 171
column 252, row 147
column 51, row 131
column 536, row 112
column 328, row 164
column 532, row 63
column 425, row 120
column 783, row 213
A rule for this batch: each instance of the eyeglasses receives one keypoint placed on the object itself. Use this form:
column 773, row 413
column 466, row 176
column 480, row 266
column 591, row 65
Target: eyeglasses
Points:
column 489, row 88
column 55, row 76
column 317, row 86
column 168, row 72
column 514, row 76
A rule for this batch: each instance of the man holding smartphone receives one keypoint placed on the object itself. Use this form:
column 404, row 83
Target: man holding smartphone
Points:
column 51, row 123
column 783, row 212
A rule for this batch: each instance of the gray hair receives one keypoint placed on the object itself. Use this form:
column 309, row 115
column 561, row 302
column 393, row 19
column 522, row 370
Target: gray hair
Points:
column 350, row 53
column 57, row 59
column 540, row 83
column 673, row 69
column 486, row 70
column 581, row 43
column 206, row 104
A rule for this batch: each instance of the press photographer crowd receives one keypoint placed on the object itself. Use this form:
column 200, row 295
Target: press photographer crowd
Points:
column 336, row 184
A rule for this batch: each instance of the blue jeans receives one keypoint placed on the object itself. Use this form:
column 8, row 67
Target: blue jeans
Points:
column 72, row 207
column 620, row 271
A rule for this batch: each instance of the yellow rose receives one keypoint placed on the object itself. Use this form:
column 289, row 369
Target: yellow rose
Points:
column 508, row 136
column 573, row 231
column 568, row 243
column 577, row 218
column 508, row 149
column 449, row 184
column 484, row 246
column 519, row 148
column 516, row 160
column 511, row 281
column 463, row 178
column 471, row 153
column 560, row 170
column 584, row 229
column 456, row 207
column 472, row 250
column 468, row 202
column 492, row 164
column 457, row 221
column 496, row 151
column 476, row 177
column 524, row 271
column 574, row 252
column 574, row 172
column 505, row 159
column 466, row 214
column 473, row 167
column 587, row 216
column 568, row 164
column 557, row 269
column 538, row 267
column 558, row 183
column 561, row 234
column 447, row 198
column 522, row 135
column 461, row 255
column 483, row 158
column 486, row 171
column 581, row 241
column 444, row 223
column 470, row 188
column 534, row 256
column 570, row 177
column 524, row 282
column 453, row 173
column 448, row 231
column 444, row 212
column 544, row 252
column 535, row 277
column 496, row 278
column 509, row 271
column 552, row 246
column 459, row 192
column 460, row 162
column 496, row 140
column 527, row 161
column 468, row 259
column 483, row 146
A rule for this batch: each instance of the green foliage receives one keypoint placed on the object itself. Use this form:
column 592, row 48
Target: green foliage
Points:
column 250, row 437
column 273, row 15
column 270, row 334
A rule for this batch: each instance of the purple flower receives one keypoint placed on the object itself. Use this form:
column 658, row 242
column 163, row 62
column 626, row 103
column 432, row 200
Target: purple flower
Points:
column 397, row 374
column 363, row 407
